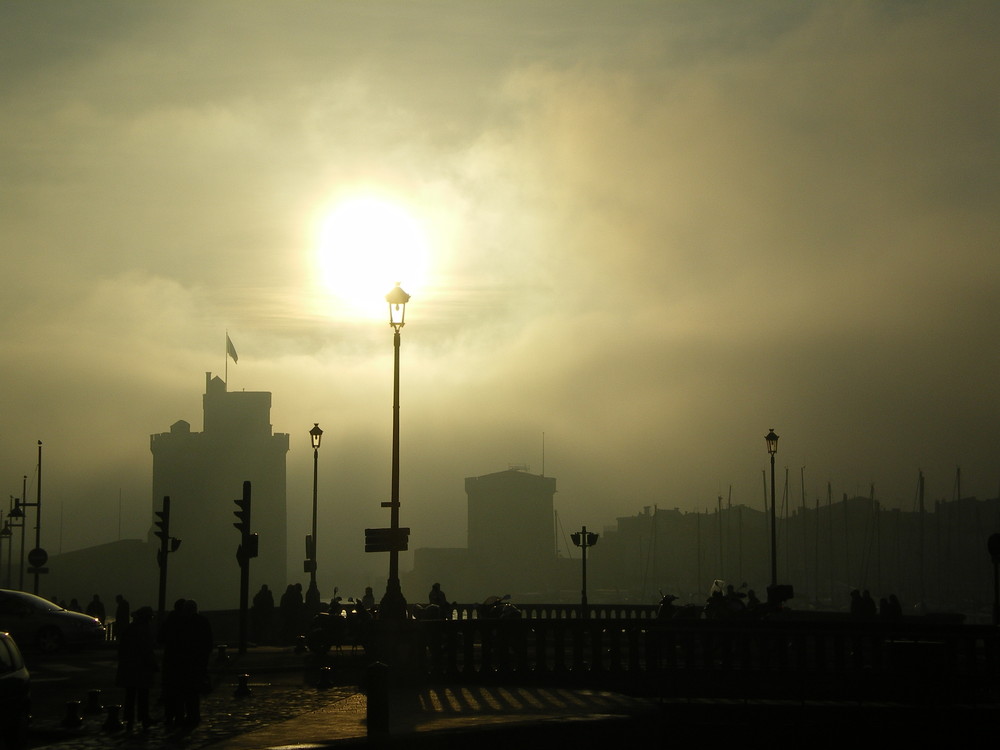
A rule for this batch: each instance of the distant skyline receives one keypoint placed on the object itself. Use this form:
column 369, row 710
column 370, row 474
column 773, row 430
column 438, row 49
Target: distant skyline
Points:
column 648, row 231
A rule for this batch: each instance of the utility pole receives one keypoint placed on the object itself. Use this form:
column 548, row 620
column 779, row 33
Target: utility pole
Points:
column 246, row 551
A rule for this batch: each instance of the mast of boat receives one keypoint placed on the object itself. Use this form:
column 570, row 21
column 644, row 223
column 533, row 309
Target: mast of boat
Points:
column 805, row 530
column 697, row 550
column 785, row 501
column 847, row 545
column 767, row 530
column 920, row 556
column 722, row 562
column 876, row 539
column 829, row 524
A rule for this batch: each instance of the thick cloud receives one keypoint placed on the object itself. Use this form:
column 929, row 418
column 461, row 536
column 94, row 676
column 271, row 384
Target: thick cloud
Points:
column 658, row 230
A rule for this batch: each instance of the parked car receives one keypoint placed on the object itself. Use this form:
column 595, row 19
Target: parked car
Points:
column 15, row 695
column 34, row 621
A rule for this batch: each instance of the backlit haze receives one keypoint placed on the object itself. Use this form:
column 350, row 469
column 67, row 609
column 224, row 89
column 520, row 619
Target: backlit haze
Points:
column 647, row 231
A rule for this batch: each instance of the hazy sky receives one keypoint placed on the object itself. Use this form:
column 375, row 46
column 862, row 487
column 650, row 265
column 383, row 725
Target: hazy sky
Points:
column 652, row 232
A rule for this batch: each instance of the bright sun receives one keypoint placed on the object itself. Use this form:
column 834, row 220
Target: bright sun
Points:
column 366, row 245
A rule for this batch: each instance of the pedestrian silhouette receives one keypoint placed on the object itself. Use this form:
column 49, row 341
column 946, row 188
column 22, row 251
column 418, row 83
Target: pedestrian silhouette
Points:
column 196, row 648
column 96, row 609
column 137, row 667
column 262, row 614
column 171, row 637
column 368, row 600
column 121, row 615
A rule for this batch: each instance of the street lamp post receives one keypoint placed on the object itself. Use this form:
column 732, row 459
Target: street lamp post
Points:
column 772, row 448
column 584, row 539
column 312, row 595
column 393, row 604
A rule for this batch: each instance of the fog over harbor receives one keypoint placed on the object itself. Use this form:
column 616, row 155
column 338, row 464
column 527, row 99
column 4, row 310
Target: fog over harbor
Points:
column 636, row 237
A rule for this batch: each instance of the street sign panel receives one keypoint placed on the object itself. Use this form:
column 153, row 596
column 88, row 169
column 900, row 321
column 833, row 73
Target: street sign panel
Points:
column 38, row 557
column 386, row 540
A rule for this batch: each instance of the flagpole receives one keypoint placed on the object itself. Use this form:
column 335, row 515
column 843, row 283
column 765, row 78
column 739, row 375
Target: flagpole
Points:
column 226, row 357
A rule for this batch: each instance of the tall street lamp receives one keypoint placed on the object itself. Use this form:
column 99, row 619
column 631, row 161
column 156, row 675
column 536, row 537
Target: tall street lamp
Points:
column 584, row 539
column 772, row 448
column 393, row 604
column 312, row 595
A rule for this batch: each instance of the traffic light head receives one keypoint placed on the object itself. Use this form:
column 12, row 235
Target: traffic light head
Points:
column 162, row 524
column 243, row 514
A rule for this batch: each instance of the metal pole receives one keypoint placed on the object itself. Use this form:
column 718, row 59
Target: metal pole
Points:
column 393, row 605
column 774, row 538
column 24, row 519
column 10, row 550
column 245, row 574
column 583, row 597
column 38, row 512
column 161, row 599
column 312, row 571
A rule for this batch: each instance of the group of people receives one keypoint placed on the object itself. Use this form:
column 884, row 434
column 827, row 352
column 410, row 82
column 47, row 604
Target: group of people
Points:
column 186, row 637
column 863, row 606
column 96, row 609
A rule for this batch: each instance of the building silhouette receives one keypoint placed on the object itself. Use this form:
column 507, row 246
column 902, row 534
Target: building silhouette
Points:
column 511, row 543
column 933, row 561
column 203, row 473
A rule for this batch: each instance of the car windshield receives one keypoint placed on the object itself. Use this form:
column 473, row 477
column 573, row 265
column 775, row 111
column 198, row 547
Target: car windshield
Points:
column 16, row 600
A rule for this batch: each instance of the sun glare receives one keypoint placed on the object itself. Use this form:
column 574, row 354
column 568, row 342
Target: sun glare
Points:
column 366, row 245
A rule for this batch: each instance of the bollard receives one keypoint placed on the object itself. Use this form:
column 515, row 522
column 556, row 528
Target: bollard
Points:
column 243, row 689
column 113, row 723
column 377, row 688
column 94, row 702
column 222, row 657
column 325, row 678
column 72, row 719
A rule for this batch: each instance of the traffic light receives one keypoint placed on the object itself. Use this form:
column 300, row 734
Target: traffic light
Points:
column 163, row 525
column 243, row 513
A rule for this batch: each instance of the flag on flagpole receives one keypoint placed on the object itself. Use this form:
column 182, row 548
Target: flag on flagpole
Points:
column 230, row 349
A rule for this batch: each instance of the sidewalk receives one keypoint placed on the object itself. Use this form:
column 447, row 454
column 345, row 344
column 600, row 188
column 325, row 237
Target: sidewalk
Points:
column 286, row 708
column 429, row 717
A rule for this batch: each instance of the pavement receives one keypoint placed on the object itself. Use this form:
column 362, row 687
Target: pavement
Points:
column 288, row 701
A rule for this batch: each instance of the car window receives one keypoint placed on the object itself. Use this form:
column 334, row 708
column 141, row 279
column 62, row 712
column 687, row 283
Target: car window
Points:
column 10, row 605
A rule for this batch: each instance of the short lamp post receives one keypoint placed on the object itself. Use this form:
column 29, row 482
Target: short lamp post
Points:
column 312, row 594
column 584, row 539
column 393, row 604
column 5, row 537
column 772, row 448
column 15, row 520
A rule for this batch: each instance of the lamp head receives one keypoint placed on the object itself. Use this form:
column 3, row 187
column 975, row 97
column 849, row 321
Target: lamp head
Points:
column 397, row 300
column 772, row 442
column 316, row 435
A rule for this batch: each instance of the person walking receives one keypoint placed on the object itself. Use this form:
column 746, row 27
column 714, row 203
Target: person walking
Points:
column 196, row 640
column 171, row 638
column 137, row 667
column 262, row 614
column 121, row 615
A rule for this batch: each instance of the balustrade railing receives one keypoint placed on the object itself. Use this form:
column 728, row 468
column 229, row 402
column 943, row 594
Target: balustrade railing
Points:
column 845, row 660
column 566, row 611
